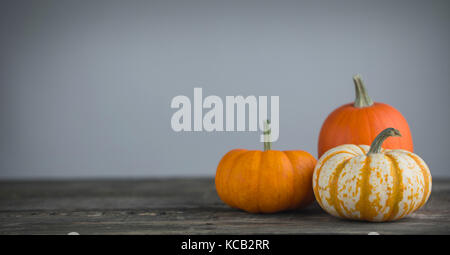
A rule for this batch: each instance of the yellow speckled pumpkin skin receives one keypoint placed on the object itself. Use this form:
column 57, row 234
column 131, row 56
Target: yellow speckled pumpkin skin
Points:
column 351, row 183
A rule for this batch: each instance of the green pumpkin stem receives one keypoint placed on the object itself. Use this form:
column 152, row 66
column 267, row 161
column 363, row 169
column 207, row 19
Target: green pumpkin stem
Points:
column 362, row 98
column 378, row 141
column 267, row 130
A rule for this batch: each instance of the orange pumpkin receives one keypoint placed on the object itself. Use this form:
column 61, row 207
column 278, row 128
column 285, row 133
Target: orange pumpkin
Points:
column 265, row 181
column 361, row 121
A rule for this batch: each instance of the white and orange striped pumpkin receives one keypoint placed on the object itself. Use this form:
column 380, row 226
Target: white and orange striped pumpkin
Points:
column 369, row 183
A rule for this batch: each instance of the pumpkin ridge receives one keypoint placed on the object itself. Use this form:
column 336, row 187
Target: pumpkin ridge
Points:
column 426, row 179
column 306, row 177
column 390, row 202
column 346, row 116
column 281, row 163
column 334, row 200
column 269, row 170
column 251, row 172
column 316, row 186
column 369, row 126
column 233, row 166
column 413, row 206
column 253, row 169
column 364, row 202
column 225, row 174
column 293, row 205
column 398, row 183
column 349, row 115
column 258, row 183
column 312, row 161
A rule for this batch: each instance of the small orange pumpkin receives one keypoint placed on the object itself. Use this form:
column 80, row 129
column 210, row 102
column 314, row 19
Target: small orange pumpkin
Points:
column 265, row 181
column 361, row 121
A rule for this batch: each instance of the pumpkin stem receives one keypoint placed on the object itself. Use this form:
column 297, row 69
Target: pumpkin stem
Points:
column 378, row 141
column 362, row 98
column 267, row 130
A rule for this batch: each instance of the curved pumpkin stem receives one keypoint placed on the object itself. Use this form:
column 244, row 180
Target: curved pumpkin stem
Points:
column 362, row 98
column 378, row 141
column 267, row 130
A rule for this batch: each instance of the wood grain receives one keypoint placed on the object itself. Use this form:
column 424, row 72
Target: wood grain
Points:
column 180, row 206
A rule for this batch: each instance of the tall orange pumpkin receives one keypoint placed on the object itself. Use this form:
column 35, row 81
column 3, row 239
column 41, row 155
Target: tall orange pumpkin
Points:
column 265, row 181
column 361, row 121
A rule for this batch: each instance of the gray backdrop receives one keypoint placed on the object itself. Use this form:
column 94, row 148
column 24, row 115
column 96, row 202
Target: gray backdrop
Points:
column 86, row 85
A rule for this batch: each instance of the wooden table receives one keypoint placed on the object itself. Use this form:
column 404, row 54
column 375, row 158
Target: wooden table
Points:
column 180, row 206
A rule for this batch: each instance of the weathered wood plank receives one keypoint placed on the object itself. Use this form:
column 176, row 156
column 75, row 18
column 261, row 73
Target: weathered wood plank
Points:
column 180, row 206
